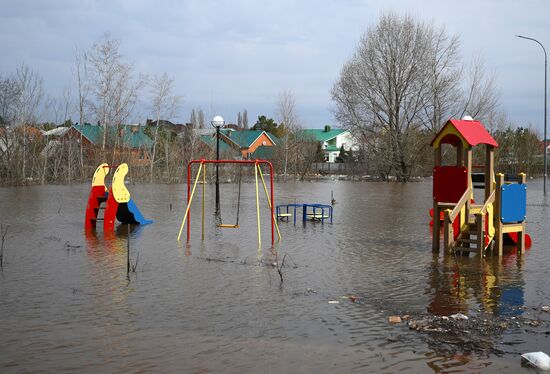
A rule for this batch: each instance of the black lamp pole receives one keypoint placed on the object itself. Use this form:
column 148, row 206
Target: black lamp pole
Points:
column 217, row 122
column 545, row 75
column 217, row 170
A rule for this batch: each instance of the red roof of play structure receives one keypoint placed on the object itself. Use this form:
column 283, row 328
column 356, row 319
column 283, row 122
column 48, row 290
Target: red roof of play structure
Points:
column 472, row 131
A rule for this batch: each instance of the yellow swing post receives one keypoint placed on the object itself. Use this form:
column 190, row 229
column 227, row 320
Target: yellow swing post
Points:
column 258, row 206
column 190, row 200
column 268, row 200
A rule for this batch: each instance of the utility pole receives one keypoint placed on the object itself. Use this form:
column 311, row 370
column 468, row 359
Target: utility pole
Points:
column 545, row 75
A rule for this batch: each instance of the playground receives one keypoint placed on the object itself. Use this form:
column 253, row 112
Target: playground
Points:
column 325, row 274
column 224, row 296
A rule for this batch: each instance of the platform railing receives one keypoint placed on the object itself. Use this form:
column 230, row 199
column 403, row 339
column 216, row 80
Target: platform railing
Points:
column 451, row 215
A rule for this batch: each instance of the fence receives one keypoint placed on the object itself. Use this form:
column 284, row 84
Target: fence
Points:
column 329, row 167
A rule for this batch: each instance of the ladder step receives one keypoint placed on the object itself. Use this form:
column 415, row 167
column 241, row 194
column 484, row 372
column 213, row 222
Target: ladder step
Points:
column 463, row 249
column 99, row 219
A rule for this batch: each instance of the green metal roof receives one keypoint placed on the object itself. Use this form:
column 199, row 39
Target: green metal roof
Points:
column 210, row 140
column 131, row 136
column 244, row 138
column 263, row 153
column 320, row 135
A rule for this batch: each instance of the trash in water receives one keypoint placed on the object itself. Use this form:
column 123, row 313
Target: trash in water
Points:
column 350, row 297
column 458, row 316
column 539, row 360
column 334, row 302
column 546, row 308
column 394, row 319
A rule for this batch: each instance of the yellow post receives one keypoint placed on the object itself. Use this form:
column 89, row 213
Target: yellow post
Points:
column 190, row 201
column 498, row 213
column 258, row 207
column 203, row 193
column 269, row 201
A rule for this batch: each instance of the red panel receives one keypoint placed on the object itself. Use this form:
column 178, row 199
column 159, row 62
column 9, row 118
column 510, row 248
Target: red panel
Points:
column 110, row 212
column 456, row 227
column 94, row 201
column 450, row 182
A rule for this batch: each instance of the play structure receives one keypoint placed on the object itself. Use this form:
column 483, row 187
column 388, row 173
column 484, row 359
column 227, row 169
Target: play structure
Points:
column 467, row 226
column 200, row 177
column 118, row 202
column 313, row 212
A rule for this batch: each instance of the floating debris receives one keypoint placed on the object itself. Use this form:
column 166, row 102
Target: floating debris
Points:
column 459, row 316
column 538, row 360
column 334, row 302
column 394, row 319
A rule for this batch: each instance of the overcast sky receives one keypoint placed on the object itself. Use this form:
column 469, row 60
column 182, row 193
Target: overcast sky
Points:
column 229, row 55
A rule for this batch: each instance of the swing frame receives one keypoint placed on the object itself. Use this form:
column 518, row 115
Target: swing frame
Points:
column 269, row 195
column 236, row 224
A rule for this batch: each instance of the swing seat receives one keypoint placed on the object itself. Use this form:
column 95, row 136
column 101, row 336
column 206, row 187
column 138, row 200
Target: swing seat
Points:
column 317, row 216
column 228, row 226
column 283, row 216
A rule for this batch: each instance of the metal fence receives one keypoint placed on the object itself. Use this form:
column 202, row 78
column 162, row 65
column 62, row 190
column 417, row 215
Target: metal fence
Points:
column 329, row 167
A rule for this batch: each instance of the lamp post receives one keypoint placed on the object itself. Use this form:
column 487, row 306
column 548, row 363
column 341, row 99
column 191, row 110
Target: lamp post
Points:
column 545, row 68
column 217, row 122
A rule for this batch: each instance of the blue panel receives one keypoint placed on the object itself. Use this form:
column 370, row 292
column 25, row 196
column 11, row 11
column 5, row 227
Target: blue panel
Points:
column 137, row 214
column 514, row 203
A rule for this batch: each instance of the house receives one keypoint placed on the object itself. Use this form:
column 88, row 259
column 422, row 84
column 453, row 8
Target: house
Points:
column 247, row 141
column 331, row 140
column 131, row 142
column 226, row 151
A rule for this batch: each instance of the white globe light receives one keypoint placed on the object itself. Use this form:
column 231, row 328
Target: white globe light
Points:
column 218, row 121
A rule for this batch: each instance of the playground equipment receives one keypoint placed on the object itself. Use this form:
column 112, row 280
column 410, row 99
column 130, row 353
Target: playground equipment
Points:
column 313, row 212
column 236, row 225
column 119, row 204
column 470, row 227
column 257, row 171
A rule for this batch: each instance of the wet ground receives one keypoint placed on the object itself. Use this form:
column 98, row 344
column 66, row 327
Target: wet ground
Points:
column 66, row 303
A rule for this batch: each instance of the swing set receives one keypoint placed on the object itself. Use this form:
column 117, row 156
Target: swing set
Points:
column 201, row 176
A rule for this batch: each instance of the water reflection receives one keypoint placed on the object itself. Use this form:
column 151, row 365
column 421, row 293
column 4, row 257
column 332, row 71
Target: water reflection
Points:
column 464, row 284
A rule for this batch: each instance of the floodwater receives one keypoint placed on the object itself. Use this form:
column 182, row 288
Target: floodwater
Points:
column 67, row 305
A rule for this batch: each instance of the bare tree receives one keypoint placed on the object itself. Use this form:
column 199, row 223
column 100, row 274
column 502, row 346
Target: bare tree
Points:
column 113, row 84
column 193, row 119
column 239, row 120
column 81, row 74
column 403, row 80
column 9, row 94
column 288, row 119
column 165, row 105
column 29, row 98
column 53, row 108
column 201, row 119
column 245, row 119
column 104, row 59
column 479, row 97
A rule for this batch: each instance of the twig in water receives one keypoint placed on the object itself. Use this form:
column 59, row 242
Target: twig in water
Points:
column 134, row 266
column 280, row 268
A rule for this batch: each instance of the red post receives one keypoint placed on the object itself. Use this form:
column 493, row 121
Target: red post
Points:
column 272, row 202
column 188, row 198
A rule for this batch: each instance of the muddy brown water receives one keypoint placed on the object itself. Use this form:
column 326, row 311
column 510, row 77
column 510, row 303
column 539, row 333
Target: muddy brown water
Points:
column 66, row 304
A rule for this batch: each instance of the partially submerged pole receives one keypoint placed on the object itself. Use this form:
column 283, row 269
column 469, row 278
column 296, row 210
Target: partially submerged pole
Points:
column 128, row 251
